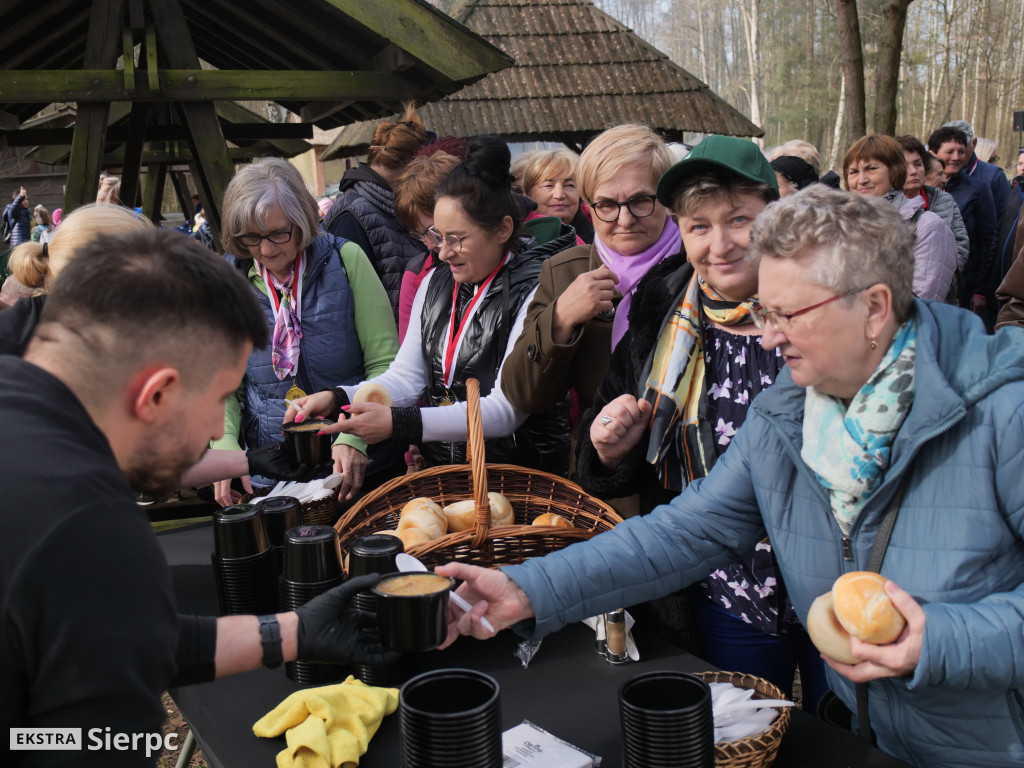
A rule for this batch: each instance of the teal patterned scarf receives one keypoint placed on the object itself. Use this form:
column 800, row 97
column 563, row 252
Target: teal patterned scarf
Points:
column 849, row 449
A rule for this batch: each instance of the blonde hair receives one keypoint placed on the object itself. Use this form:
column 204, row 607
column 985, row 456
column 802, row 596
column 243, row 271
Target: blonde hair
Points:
column 258, row 187
column 109, row 189
column 546, row 164
column 985, row 149
column 395, row 143
column 36, row 267
column 802, row 149
column 618, row 148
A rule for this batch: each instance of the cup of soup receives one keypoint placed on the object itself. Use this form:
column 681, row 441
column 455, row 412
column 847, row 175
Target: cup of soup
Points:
column 412, row 610
column 304, row 445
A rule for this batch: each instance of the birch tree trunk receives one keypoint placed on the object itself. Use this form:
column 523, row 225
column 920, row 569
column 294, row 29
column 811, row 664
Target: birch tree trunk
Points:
column 751, row 15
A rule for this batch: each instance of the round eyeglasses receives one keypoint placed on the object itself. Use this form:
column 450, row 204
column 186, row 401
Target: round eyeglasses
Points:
column 435, row 239
column 252, row 240
column 641, row 206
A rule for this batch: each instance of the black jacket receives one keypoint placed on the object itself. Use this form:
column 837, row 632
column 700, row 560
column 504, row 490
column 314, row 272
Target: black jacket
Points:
column 542, row 441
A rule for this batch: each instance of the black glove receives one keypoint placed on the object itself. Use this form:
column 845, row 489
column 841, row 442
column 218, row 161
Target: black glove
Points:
column 272, row 461
column 332, row 631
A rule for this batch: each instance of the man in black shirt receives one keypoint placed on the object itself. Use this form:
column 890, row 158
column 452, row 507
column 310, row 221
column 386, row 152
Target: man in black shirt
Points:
column 142, row 340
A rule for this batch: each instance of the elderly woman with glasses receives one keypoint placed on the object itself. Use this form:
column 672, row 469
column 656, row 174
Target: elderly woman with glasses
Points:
column 891, row 413
column 467, row 314
column 330, row 318
column 581, row 308
column 678, row 388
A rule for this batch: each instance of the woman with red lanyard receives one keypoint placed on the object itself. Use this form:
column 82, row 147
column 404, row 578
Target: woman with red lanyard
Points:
column 466, row 316
column 329, row 317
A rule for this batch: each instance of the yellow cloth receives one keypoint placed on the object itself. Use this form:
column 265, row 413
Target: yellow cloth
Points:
column 330, row 726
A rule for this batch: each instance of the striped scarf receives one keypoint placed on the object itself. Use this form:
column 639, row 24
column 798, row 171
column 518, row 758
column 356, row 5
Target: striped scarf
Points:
column 676, row 390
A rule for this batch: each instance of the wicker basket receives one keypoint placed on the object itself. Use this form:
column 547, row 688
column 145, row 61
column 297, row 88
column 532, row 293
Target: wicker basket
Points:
column 531, row 493
column 320, row 512
column 756, row 751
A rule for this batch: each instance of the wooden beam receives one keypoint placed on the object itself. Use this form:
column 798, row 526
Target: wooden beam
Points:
column 118, row 134
column 102, row 44
column 156, row 176
column 427, row 34
column 131, row 166
column 27, row 86
column 181, row 191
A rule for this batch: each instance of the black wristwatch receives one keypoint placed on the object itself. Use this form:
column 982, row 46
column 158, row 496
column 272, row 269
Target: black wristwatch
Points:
column 270, row 634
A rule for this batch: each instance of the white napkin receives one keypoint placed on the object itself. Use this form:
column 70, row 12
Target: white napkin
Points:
column 737, row 715
column 596, row 623
column 305, row 492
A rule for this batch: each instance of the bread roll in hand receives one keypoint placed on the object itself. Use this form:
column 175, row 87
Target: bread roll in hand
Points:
column 863, row 608
column 827, row 633
column 373, row 392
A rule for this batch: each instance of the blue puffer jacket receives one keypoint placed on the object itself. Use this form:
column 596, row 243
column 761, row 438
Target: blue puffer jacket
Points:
column 957, row 545
column 330, row 355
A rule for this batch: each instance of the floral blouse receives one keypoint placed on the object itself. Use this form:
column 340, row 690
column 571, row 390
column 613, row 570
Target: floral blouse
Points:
column 736, row 369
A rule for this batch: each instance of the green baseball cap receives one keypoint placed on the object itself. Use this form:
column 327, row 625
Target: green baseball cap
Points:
column 739, row 156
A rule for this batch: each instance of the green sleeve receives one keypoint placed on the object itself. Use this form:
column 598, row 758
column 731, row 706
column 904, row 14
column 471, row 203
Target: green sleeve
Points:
column 375, row 320
column 232, row 423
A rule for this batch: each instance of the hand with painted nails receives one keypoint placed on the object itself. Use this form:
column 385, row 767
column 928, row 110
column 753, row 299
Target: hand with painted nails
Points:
column 315, row 406
column 370, row 421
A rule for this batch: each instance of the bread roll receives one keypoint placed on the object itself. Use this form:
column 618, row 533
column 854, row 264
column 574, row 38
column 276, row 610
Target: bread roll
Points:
column 413, row 536
column 550, row 518
column 372, row 392
column 863, row 608
column 423, row 515
column 827, row 633
column 461, row 515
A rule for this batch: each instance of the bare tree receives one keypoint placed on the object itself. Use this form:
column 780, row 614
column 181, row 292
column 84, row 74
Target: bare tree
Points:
column 853, row 68
column 887, row 72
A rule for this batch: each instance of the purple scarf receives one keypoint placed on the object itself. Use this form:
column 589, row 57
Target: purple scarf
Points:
column 631, row 269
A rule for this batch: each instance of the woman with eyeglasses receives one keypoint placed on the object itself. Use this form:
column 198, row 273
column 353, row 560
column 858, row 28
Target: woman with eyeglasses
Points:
column 580, row 310
column 467, row 314
column 678, row 389
column 329, row 316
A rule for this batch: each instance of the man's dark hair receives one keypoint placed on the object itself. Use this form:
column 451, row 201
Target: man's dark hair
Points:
column 944, row 135
column 154, row 294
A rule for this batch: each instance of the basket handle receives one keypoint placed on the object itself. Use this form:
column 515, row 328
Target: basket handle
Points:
column 477, row 462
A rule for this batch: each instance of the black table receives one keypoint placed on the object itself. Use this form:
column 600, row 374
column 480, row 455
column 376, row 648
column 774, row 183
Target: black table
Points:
column 567, row 689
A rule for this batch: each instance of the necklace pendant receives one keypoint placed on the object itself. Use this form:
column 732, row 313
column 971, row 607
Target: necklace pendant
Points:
column 294, row 392
column 447, row 398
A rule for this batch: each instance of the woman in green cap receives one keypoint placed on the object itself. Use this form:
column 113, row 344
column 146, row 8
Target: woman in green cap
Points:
column 677, row 390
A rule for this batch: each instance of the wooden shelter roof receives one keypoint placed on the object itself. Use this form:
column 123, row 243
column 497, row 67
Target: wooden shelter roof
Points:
column 578, row 71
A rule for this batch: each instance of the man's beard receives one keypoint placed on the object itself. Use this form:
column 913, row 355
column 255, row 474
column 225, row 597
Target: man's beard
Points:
column 156, row 475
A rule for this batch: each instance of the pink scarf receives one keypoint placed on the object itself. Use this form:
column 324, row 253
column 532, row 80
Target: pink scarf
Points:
column 631, row 269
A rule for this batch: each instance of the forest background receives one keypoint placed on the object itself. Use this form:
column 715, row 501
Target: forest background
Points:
column 792, row 65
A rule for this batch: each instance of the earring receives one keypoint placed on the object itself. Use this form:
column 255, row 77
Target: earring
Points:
column 874, row 343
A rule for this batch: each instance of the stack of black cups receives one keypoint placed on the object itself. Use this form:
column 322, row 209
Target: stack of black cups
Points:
column 280, row 514
column 243, row 565
column 667, row 721
column 450, row 718
column 376, row 554
column 311, row 567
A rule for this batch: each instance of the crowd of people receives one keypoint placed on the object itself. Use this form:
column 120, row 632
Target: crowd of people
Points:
column 757, row 361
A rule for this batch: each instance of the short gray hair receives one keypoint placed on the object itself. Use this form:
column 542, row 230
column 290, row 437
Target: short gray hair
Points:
column 963, row 126
column 258, row 187
column 857, row 241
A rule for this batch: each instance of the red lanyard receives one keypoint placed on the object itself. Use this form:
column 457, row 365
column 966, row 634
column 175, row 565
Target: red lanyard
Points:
column 455, row 337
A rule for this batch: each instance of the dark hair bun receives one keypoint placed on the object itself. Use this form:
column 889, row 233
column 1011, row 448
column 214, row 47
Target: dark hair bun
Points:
column 489, row 159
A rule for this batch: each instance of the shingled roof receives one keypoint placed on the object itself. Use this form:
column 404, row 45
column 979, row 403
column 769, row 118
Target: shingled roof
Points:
column 578, row 71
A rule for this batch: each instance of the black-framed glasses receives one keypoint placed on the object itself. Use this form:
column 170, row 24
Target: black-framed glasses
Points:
column 435, row 239
column 252, row 240
column 782, row 320
column 641, row 206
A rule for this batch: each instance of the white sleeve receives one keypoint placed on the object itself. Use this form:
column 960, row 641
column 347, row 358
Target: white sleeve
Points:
column 448, row 423
column 406, row 377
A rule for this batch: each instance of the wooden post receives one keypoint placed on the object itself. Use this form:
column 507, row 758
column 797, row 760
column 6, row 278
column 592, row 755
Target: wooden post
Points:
column 212, row 167
column 103, row 42
column 131, row 168
column 156, row 176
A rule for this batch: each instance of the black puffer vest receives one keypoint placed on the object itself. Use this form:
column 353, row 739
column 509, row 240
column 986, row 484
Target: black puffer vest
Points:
column 369, row 198
column 542, row 442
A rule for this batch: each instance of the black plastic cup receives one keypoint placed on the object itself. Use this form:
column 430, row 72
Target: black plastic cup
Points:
column 311, row 554
column 450, row 717
column 304, row 445
column 413, row 621
column 374, row 554
column 280, row 513
column 666, row 721
column 238, row 531
column 246, row 585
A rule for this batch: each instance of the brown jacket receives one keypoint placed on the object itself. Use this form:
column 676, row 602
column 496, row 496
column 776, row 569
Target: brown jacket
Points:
column 1011, row 290
column 538, row 373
